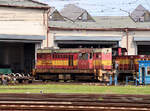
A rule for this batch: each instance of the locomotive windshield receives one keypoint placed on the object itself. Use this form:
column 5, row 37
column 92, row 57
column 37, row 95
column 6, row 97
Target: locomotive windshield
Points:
column 83, row 56
column 118, row 51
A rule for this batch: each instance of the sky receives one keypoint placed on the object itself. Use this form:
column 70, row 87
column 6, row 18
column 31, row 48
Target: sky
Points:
column 102, row 7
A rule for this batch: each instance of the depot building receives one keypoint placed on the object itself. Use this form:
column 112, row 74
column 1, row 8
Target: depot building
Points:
column 23, row 28
column 27, row 25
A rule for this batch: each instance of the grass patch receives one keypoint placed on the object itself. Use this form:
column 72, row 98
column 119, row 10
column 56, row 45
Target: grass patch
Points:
column 56, row 88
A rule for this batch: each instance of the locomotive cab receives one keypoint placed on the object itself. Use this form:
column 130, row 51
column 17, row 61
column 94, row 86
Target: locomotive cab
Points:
column 119, row 51
column 85, row 60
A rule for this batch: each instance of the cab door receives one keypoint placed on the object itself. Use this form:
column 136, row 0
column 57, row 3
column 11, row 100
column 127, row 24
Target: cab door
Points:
column 83, row 62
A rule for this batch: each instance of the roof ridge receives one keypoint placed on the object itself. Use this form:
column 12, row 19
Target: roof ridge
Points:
column 74, row 5
column 38, row 2
column 74, row 10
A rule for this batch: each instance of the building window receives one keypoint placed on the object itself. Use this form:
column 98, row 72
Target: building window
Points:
column 146, row 16
column 91, row 55
column 97, row 55
column 84, row 17
column 141, row 19
column 80, row 18
column 50, row 17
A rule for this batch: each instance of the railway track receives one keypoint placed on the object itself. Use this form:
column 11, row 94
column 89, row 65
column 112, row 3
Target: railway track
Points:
column 74, row 102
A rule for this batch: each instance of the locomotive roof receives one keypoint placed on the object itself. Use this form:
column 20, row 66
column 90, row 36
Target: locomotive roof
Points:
column 74, row 50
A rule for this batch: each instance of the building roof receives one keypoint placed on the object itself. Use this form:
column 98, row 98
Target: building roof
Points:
column 54, row 15
column 102, row 22
column 52, row 10
column 23, row 4
column 138, row 12
column 72, row 12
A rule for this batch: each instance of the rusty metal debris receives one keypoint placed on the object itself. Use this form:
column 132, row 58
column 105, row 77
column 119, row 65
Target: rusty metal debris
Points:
column 14, row 78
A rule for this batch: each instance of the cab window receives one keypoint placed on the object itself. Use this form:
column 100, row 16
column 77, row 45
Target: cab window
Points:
column 148, row 71
column 91, row 55
column 83, row 56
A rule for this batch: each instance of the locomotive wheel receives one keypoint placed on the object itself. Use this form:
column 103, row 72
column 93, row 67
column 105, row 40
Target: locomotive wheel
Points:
column 43, row 80
column 20, row 80
column 57, row 78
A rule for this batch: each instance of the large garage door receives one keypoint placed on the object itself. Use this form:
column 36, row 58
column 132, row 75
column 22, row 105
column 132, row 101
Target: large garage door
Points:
column 18, row 51
column 17, row 56
column 143, row 49
column 85, row 44
column 87, row 41
column 143, row 45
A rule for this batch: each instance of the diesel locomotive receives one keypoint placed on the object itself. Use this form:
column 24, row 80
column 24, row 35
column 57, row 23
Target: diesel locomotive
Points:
column 85, row 63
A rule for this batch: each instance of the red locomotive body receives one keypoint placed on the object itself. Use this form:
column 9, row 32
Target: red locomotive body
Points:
column 73, row 62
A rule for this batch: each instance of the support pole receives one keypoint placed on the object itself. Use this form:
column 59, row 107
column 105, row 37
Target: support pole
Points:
column 126, row 80
column 127, row 35
column 136, row 81
column 116, row 79
column 110, row 80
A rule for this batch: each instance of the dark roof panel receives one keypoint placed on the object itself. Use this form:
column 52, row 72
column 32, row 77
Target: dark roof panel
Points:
column 138, row 12
column 72, row 12
column 54, row 15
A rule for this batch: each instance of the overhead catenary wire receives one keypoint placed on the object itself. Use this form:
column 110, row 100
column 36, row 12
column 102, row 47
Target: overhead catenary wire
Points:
column 101, row 7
